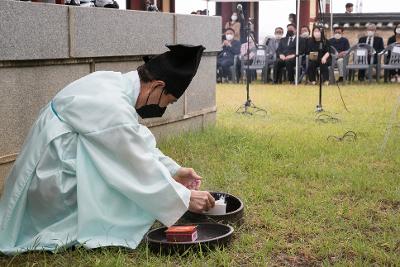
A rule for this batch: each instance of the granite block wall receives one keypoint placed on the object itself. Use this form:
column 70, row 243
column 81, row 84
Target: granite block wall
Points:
column 44, row 47
column 32, row 31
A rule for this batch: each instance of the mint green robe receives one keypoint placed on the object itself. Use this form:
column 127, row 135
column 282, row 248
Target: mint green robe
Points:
column 89, row 173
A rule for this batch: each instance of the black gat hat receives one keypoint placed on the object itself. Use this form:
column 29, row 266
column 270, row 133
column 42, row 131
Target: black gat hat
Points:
column 176, row 67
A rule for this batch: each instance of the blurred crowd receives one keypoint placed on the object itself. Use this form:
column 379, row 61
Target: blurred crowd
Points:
column 241, row 56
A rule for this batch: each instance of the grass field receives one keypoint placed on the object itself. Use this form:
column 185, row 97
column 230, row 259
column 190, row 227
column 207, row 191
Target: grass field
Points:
column 308, row 200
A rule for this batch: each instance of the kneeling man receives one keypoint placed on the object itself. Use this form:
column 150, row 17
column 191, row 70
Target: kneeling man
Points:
column 89, row 174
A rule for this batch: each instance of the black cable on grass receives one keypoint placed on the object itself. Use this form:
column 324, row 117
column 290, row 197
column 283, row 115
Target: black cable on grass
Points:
column 325, row 118
column 341, row 97
column 349, row 136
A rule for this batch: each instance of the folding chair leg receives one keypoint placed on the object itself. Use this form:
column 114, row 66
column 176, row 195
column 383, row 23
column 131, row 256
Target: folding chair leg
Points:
column 331, row 75
column 370, row 74
column 378, row 75
column 385, row 76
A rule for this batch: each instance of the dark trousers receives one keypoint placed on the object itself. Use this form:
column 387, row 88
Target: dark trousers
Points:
column 312, row 71
column 394, row 72
column 279, row 65
column 361, row 73
column 224, row 64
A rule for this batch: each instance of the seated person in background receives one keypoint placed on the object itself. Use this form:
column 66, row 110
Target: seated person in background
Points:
column 375, row 41
column 246, row 57
column 305, row 32
column 286, row 54
column 395, row 74
column 225, row 58
column 272, row 45
column 318, row 55
column 234, row 24
column 341, row 44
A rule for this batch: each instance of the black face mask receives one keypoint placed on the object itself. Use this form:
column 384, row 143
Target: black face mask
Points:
column 290, row 33
column 151, row 110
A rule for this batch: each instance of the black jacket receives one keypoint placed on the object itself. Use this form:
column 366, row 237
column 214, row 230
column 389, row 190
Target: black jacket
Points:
column 378, row 43
column 391, row 40
column 316, row 46
column 285, row 49
column 230, row 51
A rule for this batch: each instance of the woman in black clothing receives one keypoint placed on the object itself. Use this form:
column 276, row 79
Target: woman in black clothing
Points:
column 318, row 54
column 395, row 74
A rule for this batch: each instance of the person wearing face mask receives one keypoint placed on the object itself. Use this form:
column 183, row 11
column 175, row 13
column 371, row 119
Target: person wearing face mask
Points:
column 286, row 54
column 375, row 41
column 395, row 74
column 272, row 44
column 225, row 58
column 234, row 24
column 89, row 174
column 305, row 32
column 318, row 53
column 341, row 44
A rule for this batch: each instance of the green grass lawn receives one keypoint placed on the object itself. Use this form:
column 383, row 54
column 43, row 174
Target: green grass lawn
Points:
column 308, row 200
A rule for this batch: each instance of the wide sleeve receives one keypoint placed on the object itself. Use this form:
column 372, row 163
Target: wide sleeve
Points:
column 123, row 158
column 150, row 141
column 169, row 163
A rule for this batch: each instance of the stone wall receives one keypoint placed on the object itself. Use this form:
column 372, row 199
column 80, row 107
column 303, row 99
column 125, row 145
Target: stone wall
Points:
column 44, row 47
column 353, row 34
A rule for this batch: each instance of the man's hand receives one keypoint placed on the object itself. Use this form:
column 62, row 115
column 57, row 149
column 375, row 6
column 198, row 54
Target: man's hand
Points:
column 189, row 178
column 282, row 57
column 200, row 201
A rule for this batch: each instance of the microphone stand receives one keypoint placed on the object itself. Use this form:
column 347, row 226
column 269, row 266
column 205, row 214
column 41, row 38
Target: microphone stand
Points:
column 246, row 108
column 319, row 106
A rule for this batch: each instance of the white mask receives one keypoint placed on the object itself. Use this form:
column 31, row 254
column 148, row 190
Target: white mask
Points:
column 234, row 18
column 305, row 35
column 278, row 36
column 229, row 37
column 398, row 30
column 317, row 35
column 370, row 33
column 338, row 36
